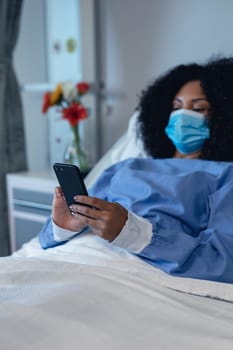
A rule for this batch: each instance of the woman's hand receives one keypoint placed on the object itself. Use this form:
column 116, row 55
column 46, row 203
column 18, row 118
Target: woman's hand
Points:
column 106, row 219
column 61, row 214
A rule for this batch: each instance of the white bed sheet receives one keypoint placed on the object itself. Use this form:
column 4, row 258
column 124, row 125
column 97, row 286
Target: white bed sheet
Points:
column 89, row 295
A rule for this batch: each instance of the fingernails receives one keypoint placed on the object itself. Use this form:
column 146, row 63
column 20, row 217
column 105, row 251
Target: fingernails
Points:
column 58, row 194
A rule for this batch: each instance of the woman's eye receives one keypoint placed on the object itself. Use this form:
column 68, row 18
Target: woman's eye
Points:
column 199, row 110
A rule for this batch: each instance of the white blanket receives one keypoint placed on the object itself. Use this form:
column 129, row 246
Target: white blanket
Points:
column 88, row 295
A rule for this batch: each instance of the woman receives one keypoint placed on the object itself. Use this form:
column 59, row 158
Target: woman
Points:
column 173, row 209
column 216, row 79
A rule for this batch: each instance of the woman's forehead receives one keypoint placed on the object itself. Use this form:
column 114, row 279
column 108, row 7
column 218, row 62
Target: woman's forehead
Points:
column 191, row 89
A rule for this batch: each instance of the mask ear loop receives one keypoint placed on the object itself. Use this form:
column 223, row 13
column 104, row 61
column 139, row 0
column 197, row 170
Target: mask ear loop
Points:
column 208, row 116
column 207, row 119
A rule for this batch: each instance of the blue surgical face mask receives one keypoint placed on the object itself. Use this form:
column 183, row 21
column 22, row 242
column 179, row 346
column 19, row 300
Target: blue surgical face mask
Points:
column 187, row 130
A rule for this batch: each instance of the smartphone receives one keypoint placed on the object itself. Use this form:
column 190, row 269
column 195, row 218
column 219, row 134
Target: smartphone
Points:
column 70, row 180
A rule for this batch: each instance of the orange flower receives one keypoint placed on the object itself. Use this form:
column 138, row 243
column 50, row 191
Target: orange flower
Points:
column 83, row 88
column 68, row 97
column 74, row 113
column 56, row 95
column 46, row 102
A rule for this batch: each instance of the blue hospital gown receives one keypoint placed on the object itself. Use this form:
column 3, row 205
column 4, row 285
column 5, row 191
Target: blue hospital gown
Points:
column 190, row 206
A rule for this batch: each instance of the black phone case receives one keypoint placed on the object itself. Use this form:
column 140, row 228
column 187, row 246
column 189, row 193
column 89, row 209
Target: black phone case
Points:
column 70, row 180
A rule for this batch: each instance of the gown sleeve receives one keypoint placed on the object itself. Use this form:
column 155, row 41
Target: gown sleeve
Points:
column 188, row 230
column 208, row 255
column 51, row 236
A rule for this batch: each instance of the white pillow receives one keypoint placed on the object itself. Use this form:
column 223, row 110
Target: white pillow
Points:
column 129, row 145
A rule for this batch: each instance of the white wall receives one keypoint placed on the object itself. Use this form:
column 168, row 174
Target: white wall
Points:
column 142, row 39
column 139, row 40
column 30, row 66
column 39, row 66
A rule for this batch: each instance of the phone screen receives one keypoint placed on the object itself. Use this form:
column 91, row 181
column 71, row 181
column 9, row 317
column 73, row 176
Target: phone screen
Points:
column 70, row 180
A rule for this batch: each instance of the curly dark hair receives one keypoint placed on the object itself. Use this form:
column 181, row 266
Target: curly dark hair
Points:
column 216, row 78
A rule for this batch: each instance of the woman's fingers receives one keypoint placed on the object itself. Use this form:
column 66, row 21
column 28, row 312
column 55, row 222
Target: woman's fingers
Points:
column 106, row 219
column 86, row 220
column 86, row 211
column 58, row 191
column 92, row 202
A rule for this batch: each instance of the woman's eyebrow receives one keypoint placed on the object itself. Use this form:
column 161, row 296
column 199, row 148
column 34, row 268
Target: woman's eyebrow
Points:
column 199, row 99
column 178, row 99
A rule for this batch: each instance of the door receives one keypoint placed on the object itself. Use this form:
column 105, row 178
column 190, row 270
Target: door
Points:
column 56, row 44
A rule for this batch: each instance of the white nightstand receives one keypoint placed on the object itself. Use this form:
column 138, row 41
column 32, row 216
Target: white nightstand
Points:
column 29, row 203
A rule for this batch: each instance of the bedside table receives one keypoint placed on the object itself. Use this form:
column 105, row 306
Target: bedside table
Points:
column 30, row 196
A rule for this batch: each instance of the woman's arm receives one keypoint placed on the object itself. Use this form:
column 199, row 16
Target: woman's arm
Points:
column 64, row 224
column 204, row 254
column 191, row 218
column 208, row 255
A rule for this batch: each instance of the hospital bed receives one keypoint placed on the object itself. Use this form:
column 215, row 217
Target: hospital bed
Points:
column 87, row 295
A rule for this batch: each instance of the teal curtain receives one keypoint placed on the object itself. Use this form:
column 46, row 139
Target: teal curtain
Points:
column 12, row 141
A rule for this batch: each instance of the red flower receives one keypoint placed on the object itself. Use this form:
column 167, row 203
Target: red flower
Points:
column 83, row 88
column 74, row 113
column 46, row 102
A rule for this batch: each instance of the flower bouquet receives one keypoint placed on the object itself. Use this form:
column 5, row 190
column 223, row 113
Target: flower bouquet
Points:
column 67, row 97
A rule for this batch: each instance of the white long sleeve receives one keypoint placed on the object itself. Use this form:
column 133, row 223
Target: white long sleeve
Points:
column 135, row 235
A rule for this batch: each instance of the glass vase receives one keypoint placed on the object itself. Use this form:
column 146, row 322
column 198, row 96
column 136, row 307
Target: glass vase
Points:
column 74, row 153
